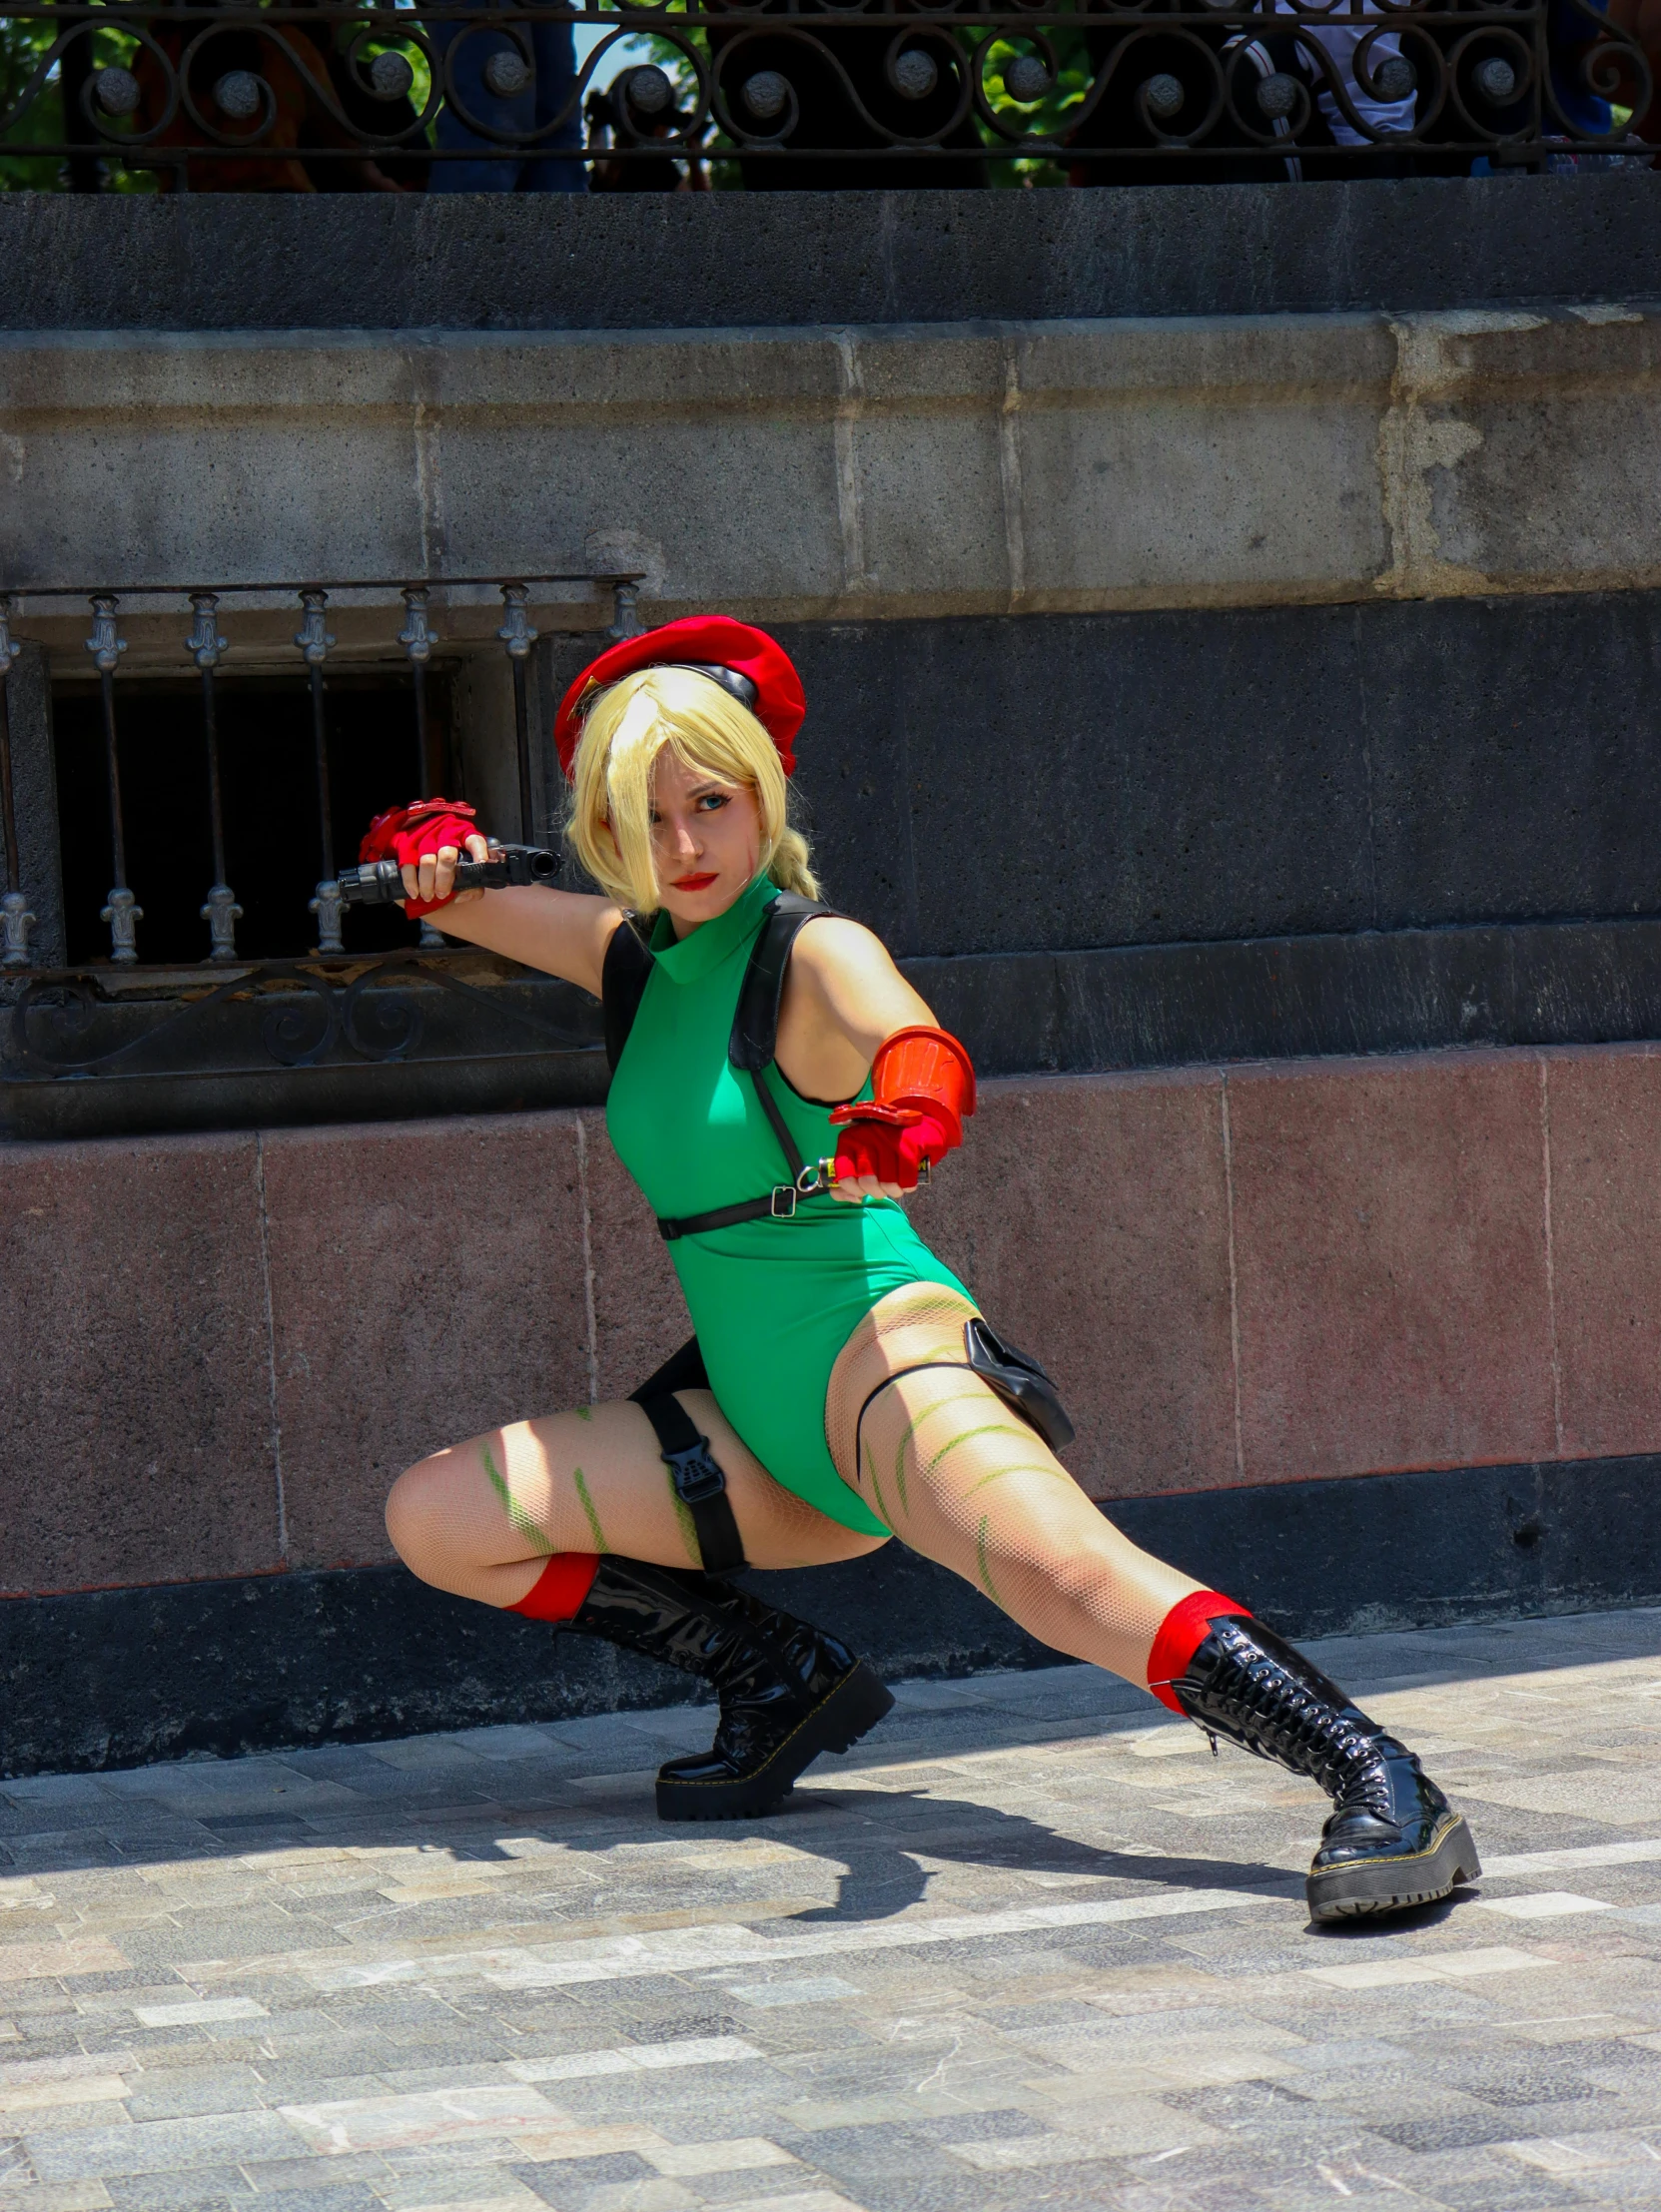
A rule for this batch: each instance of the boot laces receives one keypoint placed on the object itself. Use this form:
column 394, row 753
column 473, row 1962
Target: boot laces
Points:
column 1285, row 1721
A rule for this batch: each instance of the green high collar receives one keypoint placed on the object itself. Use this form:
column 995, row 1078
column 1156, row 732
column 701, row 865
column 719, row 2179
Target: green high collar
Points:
column 690, row 959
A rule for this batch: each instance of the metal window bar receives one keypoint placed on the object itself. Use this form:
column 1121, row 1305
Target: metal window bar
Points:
column 206, row 646
column 519, row 637
column 314, row 639
column 1092, row 87
column 418, row 639
column 122, row 912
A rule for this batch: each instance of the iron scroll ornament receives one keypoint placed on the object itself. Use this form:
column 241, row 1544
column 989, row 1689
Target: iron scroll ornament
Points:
column 1155, row 85
column 326, row 1004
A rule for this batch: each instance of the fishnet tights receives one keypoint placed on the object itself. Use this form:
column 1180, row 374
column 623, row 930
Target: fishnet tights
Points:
column 964, row 1481
column 482, row 1518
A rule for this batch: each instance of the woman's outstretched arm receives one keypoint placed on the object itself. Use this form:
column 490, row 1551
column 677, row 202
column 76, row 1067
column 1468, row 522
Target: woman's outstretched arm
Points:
column 563, row 933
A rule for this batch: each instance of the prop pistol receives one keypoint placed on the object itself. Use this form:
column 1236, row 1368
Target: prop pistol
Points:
column 380, row 882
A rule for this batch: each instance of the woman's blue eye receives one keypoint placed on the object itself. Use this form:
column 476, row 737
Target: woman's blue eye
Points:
column 713, row 799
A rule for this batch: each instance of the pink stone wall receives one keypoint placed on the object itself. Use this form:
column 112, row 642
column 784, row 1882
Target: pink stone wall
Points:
column 219, row 1349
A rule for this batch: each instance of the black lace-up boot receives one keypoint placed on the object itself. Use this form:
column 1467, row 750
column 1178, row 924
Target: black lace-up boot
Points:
column 765, row 1740
column 787, row 1690
column 1391, row 1839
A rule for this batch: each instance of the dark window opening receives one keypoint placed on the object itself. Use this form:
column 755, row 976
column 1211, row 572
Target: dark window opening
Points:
column 273, row 842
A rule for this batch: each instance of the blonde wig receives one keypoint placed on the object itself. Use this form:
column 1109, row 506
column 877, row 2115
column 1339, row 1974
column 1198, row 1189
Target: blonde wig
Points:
column 630, row 724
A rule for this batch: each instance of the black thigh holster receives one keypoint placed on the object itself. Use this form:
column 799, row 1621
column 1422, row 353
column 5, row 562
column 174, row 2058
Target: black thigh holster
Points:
column 1022, row 1383
column 694, row 1473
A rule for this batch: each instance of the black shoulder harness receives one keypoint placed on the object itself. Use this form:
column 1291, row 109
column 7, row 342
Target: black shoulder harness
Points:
column 623, row 980
column 755, row 1025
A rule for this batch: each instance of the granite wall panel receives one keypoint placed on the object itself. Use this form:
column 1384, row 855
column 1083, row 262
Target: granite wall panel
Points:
column 1390, row 1256
column 1605, row 1125
column 225, row 1348
column 1090, row 1220
column 597, row 261
column 136, row 1439
column 426, row 1284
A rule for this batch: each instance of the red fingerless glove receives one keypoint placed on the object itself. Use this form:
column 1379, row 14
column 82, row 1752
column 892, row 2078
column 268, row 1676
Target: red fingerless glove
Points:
column 924, row 1082
column 409, row 834
column 892, row 1154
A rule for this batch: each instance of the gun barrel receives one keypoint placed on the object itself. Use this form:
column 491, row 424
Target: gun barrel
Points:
column 380, row 882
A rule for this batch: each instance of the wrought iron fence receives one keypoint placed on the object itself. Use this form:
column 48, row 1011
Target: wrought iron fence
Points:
column 228, row 1022
column 811, row 92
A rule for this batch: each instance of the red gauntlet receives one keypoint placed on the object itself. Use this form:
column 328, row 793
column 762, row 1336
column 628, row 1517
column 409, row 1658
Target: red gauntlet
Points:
column 409, row 834
column 925, row 1090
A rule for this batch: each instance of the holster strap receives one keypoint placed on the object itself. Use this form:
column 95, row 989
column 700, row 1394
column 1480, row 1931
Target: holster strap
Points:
column 697, row 1480
column 1019, row 1382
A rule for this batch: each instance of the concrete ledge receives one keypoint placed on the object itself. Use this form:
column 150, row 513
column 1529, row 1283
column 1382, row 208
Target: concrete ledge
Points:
column 886, row 469
column 1020, row 1013
column 120, row 1677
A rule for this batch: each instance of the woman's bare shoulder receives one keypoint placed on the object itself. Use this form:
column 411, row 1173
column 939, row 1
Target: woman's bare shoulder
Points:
column 848, row 974
column 836, row 945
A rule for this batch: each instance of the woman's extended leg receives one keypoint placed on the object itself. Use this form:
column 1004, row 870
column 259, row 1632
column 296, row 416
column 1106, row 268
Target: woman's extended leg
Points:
column 573, row 1520
column 964, row 1480
column 961, row 1478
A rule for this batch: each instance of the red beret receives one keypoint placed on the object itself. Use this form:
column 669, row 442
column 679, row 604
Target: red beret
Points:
column 698, row 640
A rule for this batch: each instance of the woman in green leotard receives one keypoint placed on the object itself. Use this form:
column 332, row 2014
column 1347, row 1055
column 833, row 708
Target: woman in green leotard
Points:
column 838, row 1393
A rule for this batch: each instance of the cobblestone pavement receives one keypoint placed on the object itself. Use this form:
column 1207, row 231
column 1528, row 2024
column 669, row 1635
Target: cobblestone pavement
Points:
column 1030, row 1945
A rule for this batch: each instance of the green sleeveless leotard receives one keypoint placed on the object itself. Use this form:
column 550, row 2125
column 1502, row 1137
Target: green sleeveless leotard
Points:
column 773, row 1301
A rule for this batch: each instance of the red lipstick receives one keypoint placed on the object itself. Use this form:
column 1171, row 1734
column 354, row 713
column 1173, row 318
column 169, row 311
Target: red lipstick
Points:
column 692, row 883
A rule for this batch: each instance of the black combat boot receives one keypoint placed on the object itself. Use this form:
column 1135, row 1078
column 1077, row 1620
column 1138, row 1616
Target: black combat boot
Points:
column 1391, row 1839
column 787, row 1690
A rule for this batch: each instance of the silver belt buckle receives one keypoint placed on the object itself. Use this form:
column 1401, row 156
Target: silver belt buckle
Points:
column 784, row 1201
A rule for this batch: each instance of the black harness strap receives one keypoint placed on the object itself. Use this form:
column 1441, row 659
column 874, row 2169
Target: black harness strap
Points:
column 750, row 1048
column 755, row 1025
column 694, row 1473
column 781, row 1128
column 778, row 1206
column 1024, row 1386
column 625, row 975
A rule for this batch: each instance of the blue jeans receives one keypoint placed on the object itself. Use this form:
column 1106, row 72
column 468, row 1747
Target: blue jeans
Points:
column 532, row 109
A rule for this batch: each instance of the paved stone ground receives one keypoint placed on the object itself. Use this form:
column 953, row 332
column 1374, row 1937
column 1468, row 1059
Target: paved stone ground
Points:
column 1031, row 1946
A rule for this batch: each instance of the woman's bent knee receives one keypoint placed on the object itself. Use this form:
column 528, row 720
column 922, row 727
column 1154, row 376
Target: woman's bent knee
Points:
column 410, row 1516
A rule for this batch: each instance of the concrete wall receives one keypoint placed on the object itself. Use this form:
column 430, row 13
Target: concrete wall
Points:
column 223, row 1348
column 643, row 261
column 885, row 470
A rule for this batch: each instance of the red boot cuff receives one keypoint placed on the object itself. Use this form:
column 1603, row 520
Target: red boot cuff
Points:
column 1181, row 1633
column 558, row 1591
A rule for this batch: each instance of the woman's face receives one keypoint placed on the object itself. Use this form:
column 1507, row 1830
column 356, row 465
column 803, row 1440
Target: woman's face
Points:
column 706, row 841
